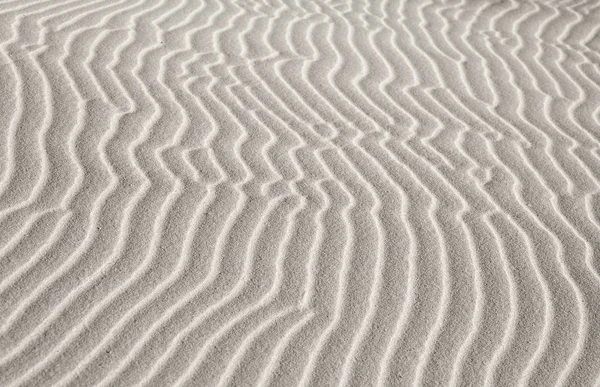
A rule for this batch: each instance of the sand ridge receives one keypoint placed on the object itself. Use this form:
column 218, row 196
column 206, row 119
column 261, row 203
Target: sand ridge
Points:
column 294, row 192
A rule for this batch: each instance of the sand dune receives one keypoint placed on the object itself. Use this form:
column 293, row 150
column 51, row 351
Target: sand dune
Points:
column 295, row 192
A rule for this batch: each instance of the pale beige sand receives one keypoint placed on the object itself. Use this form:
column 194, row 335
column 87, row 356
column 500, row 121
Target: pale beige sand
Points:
column 299, row 192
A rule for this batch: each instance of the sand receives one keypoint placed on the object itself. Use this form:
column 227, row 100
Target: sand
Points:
column 299, row 192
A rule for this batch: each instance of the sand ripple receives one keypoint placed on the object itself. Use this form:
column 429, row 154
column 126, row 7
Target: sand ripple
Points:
column 299, row 192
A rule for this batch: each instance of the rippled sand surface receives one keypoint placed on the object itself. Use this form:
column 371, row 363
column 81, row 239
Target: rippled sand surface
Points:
column 299, row 192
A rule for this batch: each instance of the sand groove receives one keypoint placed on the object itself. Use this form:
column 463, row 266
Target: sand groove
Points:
column 294, row 192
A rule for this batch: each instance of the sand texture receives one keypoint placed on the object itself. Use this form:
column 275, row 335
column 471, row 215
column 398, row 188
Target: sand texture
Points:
column 210, row 193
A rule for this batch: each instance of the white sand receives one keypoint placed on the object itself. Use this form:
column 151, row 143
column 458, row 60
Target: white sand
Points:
column 299, row 192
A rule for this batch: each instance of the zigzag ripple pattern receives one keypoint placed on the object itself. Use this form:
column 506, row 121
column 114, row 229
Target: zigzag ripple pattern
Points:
column 299, row 192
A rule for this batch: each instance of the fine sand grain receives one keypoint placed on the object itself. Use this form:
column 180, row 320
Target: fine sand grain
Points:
column 299, row 192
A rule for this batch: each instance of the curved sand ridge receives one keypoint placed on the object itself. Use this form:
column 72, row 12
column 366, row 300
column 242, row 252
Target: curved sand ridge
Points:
column 294, row 192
